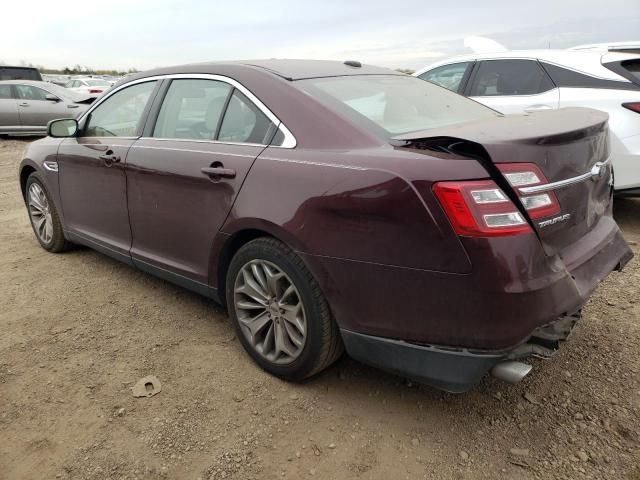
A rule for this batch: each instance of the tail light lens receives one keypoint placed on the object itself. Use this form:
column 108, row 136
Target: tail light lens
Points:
column 480, row 209
column 94, row 90
column 633, row 106
column 528, row 175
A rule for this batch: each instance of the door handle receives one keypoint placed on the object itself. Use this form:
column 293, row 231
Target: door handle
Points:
column 537, row 108
column 109, row 158
column 218, row 172
column 24, row 104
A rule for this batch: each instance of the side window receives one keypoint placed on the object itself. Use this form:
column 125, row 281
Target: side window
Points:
column 447, row 76
column 120, row 114
column 28, row 92
column 509, row 77
column 192, row 109
column 243, row 122
column 563, row 77
column 5, row 92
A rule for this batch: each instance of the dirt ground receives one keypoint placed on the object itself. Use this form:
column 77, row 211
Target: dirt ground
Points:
column 78, row 330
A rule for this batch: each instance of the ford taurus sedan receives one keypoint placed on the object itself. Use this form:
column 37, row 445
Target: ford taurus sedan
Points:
column 27, row 106
column 334, row 205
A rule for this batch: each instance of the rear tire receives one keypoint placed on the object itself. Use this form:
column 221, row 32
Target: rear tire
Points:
column 272, row 295
column 43, row 215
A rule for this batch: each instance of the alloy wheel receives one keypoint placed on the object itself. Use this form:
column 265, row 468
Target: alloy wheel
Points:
column 40, row 213
column 270, row 311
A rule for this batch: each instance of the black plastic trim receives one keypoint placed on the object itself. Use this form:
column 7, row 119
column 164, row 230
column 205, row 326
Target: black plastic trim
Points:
column 455, row 371
column 177, row 279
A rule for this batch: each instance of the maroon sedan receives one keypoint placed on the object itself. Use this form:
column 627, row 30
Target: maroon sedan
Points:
column 334, row 205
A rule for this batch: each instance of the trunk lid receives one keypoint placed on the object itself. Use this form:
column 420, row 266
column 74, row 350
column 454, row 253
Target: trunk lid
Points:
column 566, row 144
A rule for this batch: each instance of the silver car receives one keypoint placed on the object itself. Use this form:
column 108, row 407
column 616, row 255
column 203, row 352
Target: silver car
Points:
column 27, row 106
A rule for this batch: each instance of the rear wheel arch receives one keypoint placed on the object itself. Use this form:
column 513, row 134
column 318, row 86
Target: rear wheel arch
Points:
column 229, row 249
column 241, row 236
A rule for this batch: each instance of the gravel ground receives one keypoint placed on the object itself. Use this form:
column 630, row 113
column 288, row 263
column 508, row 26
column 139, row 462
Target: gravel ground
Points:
column 78, row 330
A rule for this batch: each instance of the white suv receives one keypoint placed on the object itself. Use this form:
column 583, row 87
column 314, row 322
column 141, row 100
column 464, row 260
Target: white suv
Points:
column 530, row 80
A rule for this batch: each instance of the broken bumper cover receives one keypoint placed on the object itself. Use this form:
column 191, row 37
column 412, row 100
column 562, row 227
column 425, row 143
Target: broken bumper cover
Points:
column 454, row 370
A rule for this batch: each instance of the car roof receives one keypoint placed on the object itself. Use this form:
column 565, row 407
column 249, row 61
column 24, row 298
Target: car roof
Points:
column 284, row 68
column 583, row 61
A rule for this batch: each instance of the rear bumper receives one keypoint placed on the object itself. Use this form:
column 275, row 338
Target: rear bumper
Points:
column 454, row 370
column 449, row 370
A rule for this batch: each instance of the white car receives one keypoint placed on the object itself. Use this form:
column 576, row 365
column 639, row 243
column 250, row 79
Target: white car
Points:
column 530, row 80
column 90, row 86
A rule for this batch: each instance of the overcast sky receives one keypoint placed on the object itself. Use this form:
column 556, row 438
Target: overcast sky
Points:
column 121, row 34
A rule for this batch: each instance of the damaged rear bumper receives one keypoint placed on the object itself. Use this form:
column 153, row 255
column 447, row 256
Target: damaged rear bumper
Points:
column 456, row 370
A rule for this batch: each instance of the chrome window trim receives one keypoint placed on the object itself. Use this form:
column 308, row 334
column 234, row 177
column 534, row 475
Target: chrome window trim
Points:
column 196, row 140
column 595, row 171
column 288, row 142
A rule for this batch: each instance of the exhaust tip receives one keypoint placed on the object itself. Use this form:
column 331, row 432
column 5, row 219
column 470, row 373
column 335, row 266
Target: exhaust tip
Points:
column 511, row 371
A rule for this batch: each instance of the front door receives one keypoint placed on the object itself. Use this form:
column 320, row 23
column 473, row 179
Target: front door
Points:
column 91, row 171
column 183, row 177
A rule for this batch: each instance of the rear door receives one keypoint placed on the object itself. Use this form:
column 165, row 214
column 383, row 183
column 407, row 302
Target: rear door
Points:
column 8, row 108
column 184, row 174
column 513, row 86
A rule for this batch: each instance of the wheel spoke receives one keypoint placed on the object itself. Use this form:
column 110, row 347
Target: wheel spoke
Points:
column 259, row 277
column 290, row 289
column 256, row 324
column 247, row 305
column 292, row 316
column 282, row 345
column 295, row 337
column 48, row 229
column 272, row 279
column 251, row 289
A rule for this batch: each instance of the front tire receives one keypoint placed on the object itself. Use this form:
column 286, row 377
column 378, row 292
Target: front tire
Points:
column 278, row 311
column 43, row 215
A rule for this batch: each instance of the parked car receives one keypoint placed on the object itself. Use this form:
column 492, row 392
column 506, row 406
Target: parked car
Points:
column 60, row 80
column 329, row 204
column 91, row 86
column 19, row 73
column 528, row 81
column 27, row 106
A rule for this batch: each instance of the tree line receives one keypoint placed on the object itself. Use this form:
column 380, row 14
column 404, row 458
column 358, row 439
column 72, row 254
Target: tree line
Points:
column 75, row 70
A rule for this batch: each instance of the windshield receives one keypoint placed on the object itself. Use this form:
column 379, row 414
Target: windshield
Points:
column 394, row 104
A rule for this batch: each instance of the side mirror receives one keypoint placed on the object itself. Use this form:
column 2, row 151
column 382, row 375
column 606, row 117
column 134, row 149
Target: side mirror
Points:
column 51, row 97
column 65, row 127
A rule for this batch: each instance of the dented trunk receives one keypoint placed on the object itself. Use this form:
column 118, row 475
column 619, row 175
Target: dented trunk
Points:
column 569, row 147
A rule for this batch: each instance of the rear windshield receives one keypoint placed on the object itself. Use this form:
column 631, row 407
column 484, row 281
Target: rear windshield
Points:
column 18, row 73
column 393, row 104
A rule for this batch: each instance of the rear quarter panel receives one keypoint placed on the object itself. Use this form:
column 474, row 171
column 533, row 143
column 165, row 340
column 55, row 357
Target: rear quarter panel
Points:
column 362, row 205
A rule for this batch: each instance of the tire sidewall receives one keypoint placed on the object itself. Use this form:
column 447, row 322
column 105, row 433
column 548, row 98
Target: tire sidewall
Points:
column 285, row 260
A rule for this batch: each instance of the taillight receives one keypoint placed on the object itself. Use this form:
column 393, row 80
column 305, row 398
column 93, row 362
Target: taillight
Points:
column 480, row 209
column 633, row 106
column 94, row 90
column 538, row 205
